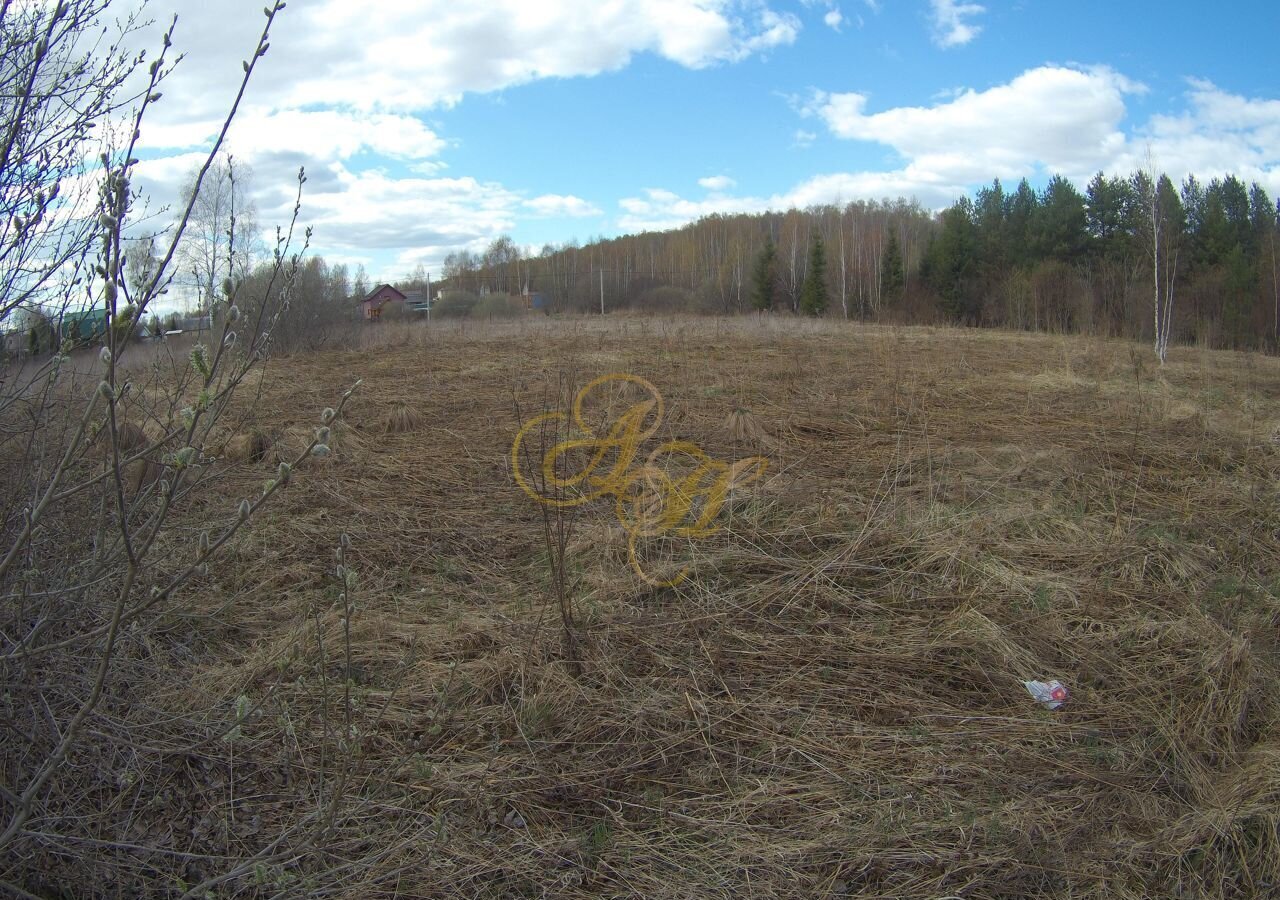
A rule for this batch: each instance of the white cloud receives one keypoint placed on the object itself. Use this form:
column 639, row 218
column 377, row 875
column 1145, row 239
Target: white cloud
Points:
column 276, row 143
column 717, row 182
column 324, row 133
column 1063, row 119
column 565, row 206
column 833, row 18
column 166, row 172
column 1231, row 112
column 775, row 30
column 414, row 55
column 343, row 92
column 950, row 28
column 660, row 209
column 841, row 187
column 428, row 167
column 372, row 211
column 803, row 139
column 1047, row 120
column 1219, row 133
column 350, row 260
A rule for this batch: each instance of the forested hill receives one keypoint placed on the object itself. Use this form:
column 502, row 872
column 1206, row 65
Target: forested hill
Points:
column 1053, row 259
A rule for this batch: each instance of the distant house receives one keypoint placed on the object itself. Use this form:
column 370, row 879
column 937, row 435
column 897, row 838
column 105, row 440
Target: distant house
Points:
column 371, row 307
column 15, row 343
column 196, row 323
column 84, row 327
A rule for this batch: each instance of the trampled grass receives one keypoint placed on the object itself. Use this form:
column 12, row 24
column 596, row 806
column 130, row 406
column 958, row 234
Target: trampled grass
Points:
column 830, row 705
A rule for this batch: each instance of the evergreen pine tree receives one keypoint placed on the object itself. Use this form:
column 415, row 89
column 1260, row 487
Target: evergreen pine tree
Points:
column 1239, row 290
column 1023, row 208
column 950, row 261
column 1059, row 226
column 813, row 293
column 892, row 274
column 764, row 277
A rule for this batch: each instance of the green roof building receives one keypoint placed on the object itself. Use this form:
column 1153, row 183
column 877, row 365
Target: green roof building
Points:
column 84, row 327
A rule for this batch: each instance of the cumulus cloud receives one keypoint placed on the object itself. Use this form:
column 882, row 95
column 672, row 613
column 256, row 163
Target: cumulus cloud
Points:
column 371, row 210
column 775, row 30
column 358, row 213
column 660, row 209
column 717, row 182
column 565, row 206
column 833, row 18
column 1065, row 119
column 415, row 55
column 326, row 133
column 345, row 93
column 1219, row 133
column 950, row 25
column 1047, row 120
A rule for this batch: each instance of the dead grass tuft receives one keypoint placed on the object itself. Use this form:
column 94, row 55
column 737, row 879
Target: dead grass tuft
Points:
column 250, row 446
column 130, row 438
column 745, row 428
column 401, row 419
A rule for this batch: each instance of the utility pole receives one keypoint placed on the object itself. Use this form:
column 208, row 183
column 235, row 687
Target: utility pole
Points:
column 602, row 292
column 428, row 298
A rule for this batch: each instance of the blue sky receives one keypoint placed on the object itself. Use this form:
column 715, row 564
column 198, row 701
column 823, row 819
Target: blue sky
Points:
column 429, row 127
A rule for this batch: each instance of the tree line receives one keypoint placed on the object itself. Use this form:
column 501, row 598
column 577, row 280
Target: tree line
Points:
column 1134, row 256
column 708, row 266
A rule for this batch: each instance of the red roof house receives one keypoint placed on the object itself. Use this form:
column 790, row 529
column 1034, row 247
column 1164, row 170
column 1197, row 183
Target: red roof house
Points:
column 371, row 307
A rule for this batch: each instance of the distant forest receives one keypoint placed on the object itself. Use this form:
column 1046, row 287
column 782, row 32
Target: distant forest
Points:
column 1054, row 260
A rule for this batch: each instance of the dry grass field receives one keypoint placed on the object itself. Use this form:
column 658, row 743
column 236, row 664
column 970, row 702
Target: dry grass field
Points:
column 830, row 705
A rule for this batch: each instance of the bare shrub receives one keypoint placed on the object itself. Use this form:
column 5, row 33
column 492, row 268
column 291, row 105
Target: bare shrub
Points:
column 456, row 304
column 498, row 306
column 117, row 513
column 662, row 300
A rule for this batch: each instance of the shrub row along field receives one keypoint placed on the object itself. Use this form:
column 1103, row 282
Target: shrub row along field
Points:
column 830, row 705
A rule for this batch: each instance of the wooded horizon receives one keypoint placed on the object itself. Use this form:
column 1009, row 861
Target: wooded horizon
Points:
column 1055, row 259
